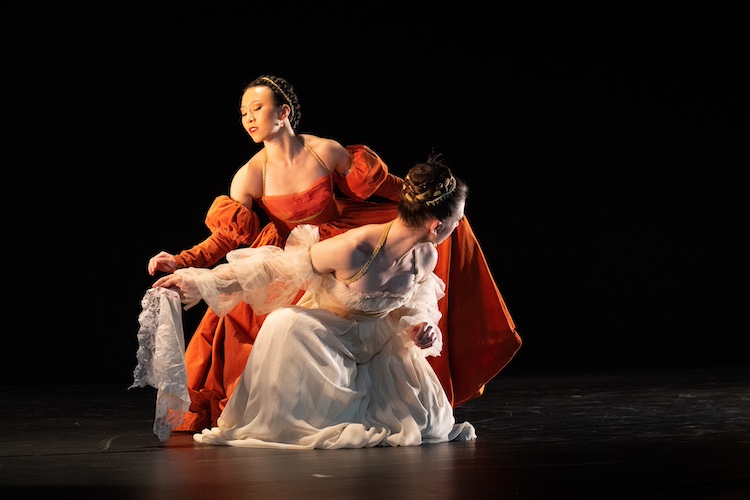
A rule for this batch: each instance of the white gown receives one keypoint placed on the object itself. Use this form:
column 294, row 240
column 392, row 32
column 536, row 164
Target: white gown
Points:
column 336, row 370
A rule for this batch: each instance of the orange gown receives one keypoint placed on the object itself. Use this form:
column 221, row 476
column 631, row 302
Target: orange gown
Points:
column 476, row 345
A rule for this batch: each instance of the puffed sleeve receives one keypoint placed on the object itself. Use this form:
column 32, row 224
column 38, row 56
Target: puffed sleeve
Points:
column 231, row 224
column 423, row 306
column 265, row 277
column 368, row 176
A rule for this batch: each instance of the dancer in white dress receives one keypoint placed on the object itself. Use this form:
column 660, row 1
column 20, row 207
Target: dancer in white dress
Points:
column 345, row 366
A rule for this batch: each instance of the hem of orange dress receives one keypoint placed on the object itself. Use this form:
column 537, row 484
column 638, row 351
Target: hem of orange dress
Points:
column 193, row 422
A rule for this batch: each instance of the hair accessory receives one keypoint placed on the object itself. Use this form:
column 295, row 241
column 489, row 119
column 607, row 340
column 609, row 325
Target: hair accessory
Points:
column 431, row 196
column 283, row 94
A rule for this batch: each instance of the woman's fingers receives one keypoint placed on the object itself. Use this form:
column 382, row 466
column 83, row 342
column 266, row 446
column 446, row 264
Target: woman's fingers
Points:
column 166, row 282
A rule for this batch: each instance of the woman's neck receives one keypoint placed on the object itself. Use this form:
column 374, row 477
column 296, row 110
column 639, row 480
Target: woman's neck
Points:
column 282, row 148
column 402, row 239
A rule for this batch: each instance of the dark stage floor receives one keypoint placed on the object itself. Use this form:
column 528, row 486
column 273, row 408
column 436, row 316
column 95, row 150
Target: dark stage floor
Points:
column 682, row 434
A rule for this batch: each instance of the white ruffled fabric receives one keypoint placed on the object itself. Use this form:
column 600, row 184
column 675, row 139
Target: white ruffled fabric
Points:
column 265, row 277
column 337, row 370
column 161, row 358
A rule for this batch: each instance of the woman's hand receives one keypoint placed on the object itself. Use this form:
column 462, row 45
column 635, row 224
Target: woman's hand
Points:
column 183, row 285
column 423, row 334
column 162, row 261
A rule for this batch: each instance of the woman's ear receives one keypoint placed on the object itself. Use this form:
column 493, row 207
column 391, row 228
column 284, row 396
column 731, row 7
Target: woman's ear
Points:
column 286, row 110
column 435, row 226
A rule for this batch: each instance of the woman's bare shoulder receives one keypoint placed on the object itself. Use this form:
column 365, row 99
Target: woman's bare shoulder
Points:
column 335, row 156
column 325, row 147
column 247, row 183
column 427, row 258
column 348, row 246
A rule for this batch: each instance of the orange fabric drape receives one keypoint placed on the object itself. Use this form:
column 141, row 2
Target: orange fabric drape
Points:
column 479, row 334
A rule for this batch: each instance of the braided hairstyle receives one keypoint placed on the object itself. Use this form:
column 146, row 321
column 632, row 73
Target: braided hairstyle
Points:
column 283, row 93
column 430, row 190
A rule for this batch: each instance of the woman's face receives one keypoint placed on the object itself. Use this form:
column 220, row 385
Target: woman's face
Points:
column 258, row 114
column 448, row 226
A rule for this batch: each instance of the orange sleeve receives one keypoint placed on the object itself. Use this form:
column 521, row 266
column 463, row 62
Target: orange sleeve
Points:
column 231, row 224
column 390, row 188
column 368, row 176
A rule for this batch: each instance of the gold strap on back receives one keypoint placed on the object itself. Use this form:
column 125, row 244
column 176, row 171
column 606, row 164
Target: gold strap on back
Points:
column 372, row 257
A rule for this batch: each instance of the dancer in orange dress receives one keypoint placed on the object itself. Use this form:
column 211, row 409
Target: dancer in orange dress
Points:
column 304, row 179
column 346, row 365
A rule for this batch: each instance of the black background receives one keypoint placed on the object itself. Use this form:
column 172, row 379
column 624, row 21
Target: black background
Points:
column 605, row 156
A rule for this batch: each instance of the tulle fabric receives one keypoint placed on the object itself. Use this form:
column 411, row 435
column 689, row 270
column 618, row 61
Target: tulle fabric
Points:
column 338, row 369
column 161, row 358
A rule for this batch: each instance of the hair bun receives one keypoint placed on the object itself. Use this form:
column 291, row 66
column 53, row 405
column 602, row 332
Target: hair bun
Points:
column 429, row 191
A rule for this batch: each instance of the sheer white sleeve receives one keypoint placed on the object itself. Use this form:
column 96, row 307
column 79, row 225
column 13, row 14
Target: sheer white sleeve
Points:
column 423, row 306
column 266, row 277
